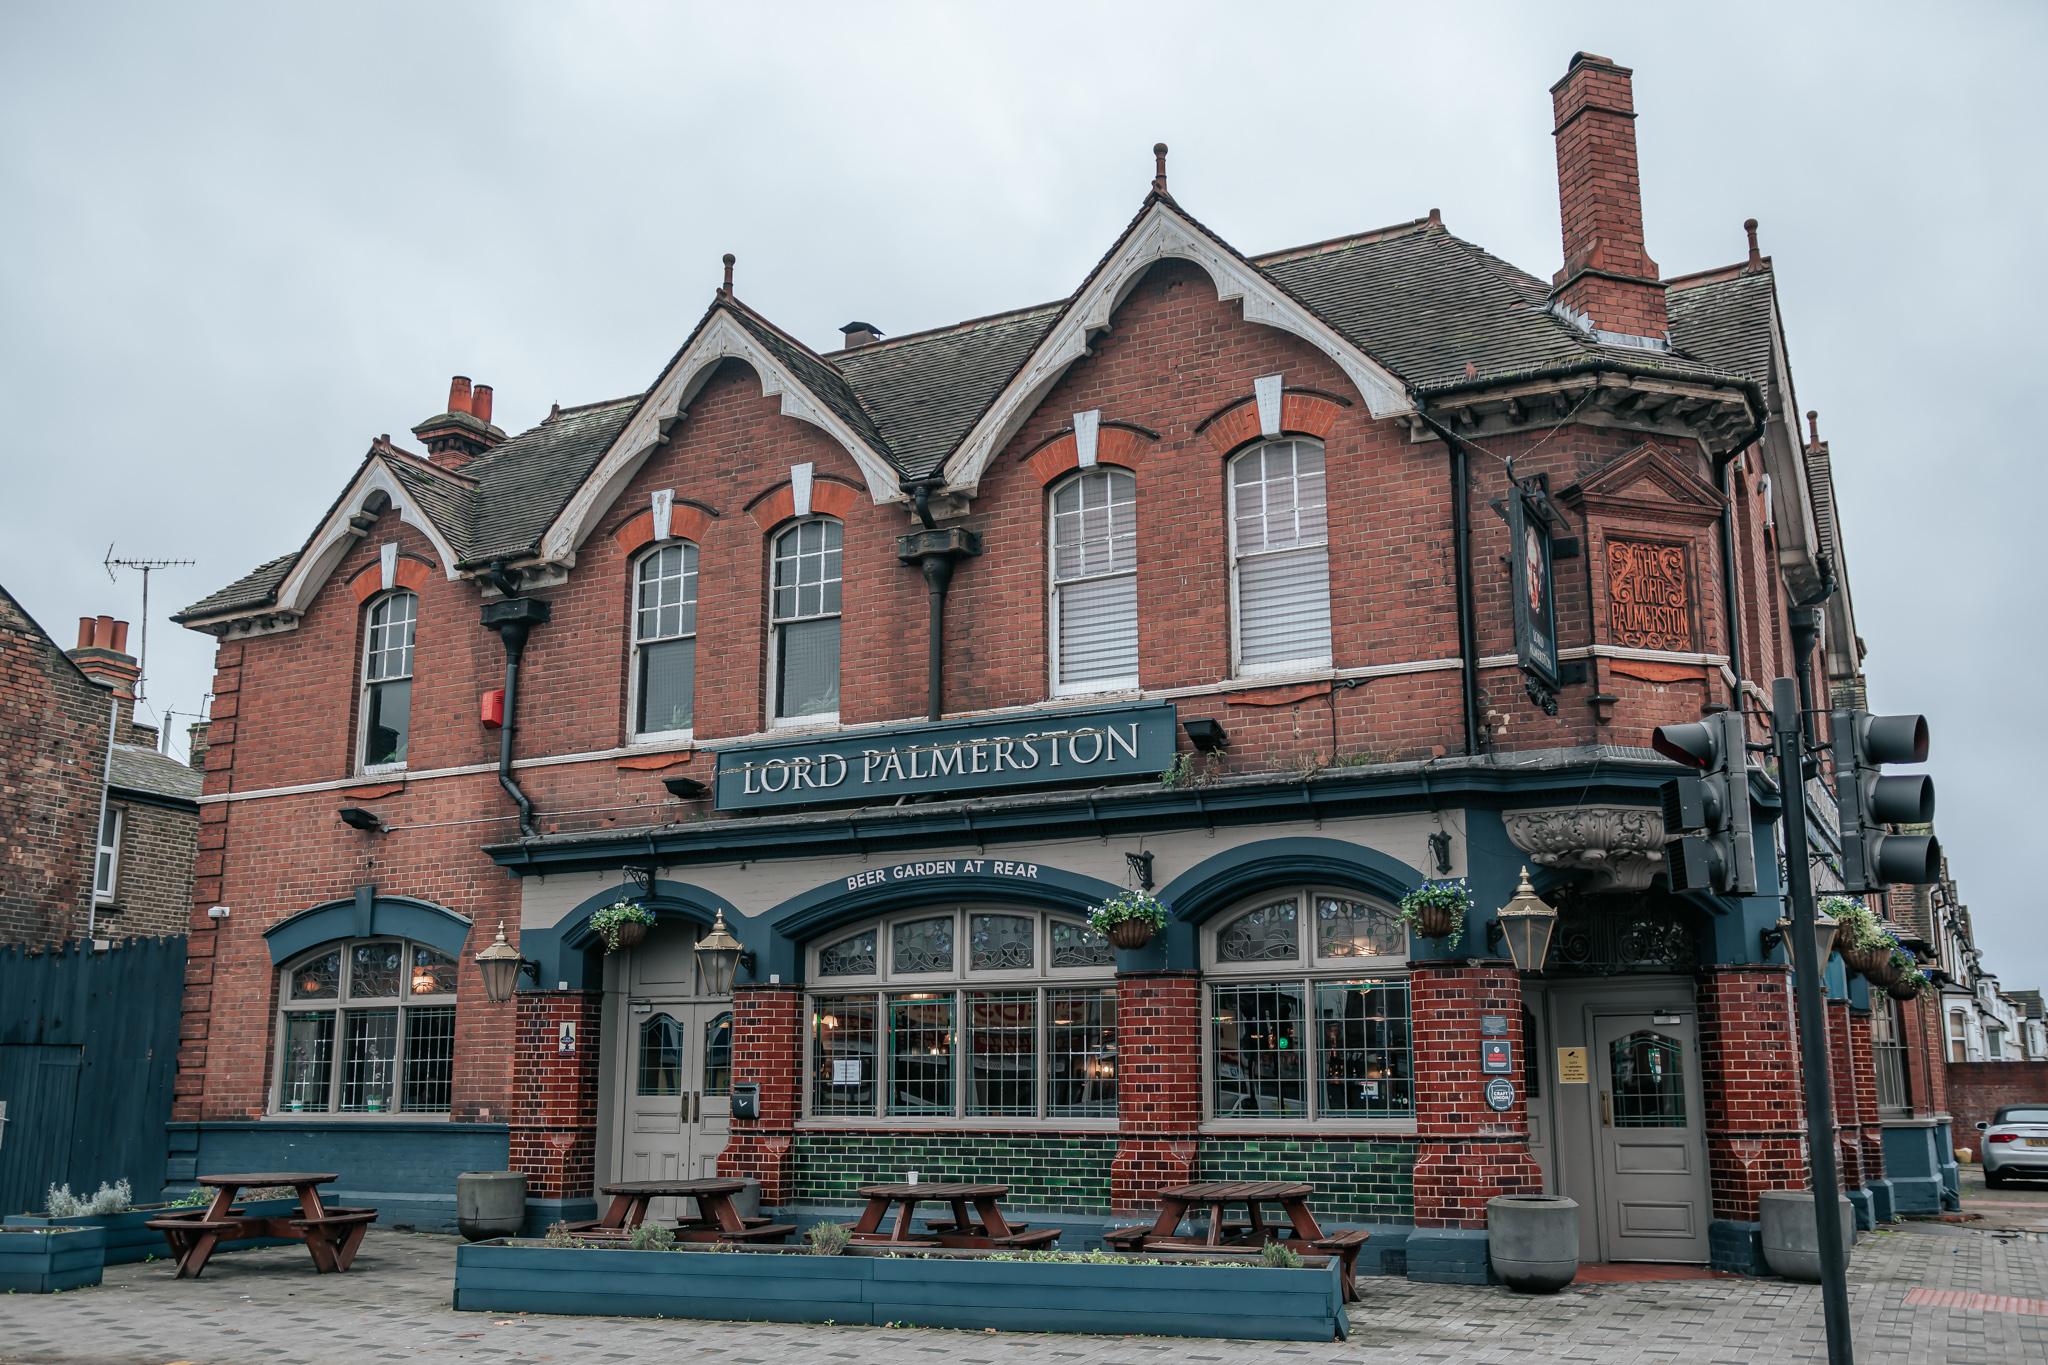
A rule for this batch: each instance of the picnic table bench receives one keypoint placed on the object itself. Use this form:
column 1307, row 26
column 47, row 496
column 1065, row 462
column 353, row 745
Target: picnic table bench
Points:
column 332, row 1235
column 717, row 1219
column 985, row 1227
column 1296, row 1229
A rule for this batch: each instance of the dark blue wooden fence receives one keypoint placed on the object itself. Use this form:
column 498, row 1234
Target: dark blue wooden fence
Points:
column 88, row 1051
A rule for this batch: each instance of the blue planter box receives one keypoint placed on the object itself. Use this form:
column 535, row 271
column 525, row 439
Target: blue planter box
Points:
column 1247, row 1301
column 45, row 1260
column 129, row 1241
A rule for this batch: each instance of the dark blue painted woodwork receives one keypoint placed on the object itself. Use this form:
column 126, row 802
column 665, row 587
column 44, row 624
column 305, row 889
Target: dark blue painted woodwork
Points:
column 364, row 915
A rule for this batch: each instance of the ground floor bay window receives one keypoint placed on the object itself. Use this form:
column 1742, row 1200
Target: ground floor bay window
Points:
column 367, row 1027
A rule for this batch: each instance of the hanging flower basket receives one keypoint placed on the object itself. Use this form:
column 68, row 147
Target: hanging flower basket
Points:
column 1861, row 938
column 622, row 924
column 1438, row 910
column 1905, row 988
column 1880, row 970
column 1129, row 919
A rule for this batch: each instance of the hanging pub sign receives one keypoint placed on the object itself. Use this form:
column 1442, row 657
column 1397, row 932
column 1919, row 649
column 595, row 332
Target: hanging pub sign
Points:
column 1534, row 594
column 956, row 758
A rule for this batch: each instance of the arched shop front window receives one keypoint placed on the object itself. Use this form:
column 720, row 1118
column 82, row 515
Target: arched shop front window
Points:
column 1308, row 1010
column 367, row 1027
column 963, row 1015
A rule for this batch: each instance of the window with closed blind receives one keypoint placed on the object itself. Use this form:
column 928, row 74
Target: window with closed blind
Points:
column 1280, row 558
column 1095, row 582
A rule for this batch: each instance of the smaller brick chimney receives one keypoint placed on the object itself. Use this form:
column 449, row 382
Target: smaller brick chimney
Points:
column 102, row 655
column 195, row 744
column 457, row 436
column 1608, row 276
column 860, row 334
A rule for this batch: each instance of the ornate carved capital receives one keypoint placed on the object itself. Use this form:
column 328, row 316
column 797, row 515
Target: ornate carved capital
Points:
column 1622, row 845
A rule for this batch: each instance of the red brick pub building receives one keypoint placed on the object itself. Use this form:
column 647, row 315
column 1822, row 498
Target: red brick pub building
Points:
column 903, row 655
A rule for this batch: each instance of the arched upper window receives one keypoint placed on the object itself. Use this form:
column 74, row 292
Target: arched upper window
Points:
column 1308, row 1009
column 803, row 613
column 665, row 641
column 973, row 1013
column 387, row 679
column 1095, row 582
column 1280, row 557
column 367, row 1027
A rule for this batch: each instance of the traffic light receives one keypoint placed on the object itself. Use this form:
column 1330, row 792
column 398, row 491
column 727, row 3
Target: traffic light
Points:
column 1872, row 856
column 1708, row 844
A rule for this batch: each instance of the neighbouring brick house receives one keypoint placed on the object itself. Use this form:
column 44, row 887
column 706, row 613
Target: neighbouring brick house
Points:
column 898, row 658
column 97, row 838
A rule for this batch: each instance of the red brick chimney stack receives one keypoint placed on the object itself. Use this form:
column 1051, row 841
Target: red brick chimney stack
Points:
column 457, row 436
column 1608, row 275
column 102, row 655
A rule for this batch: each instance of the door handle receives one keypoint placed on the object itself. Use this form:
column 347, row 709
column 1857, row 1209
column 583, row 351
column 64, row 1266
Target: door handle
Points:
column 1606, row 1110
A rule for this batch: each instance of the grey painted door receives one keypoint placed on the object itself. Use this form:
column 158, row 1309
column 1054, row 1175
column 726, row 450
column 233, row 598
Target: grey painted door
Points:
column 1649, row 1139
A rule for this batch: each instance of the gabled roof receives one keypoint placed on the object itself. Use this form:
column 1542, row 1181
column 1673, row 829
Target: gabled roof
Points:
column 138, row 768
column 1728, row 318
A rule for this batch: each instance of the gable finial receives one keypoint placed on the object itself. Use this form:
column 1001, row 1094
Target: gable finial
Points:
column 726, row 288
column 1159, row 168
column 1813, row 426
column 1755, row 255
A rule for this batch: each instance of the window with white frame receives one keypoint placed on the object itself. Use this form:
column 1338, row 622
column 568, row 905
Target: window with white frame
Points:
column 1308, row 1010
column 665, row 641
column 1958, row 1036
column 974, row 1015
column 387, row 679
column 1095, row 582
column 1280, row 557
column 367, row 1026
column 106, row 868
column 803, row 609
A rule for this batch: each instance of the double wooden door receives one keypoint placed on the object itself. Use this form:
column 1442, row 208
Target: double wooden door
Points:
column 677, row 1087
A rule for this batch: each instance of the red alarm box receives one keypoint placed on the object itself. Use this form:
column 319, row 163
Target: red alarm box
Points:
column 493, row 711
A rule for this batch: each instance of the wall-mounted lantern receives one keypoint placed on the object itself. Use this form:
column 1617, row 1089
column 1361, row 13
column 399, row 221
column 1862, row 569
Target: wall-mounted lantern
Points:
column 719, row 954
column 501, row 965
column 1526, row 923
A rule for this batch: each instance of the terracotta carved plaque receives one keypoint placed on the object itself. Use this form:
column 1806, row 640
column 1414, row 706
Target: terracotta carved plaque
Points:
column 1649, row 595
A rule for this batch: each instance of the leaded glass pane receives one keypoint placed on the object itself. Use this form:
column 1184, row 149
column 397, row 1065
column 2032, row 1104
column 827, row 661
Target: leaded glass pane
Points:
column 667, row 598
column 308, row 1062
column 661, row 1056
column 432, row 973
column 1348, row 928
column 718, row 1055
column 1365, row 1060
column 999, row 943
column 1002, row 1053
column 373, row 970
column 1080, row 1053
column 1075, row 944
column 843, row 1054
column 369, row 1060
column 318, row 978
column 429, row 1059
column 920, row 1054
column 1648, row 1073
column 921, row 945
column 387, row 644
column 853, row 955
column 1257, row 1037
column 1266, row 934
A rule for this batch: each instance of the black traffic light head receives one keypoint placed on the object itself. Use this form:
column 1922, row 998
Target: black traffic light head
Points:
column 1696, row 744
column 1873, row 801
column 1709, row 844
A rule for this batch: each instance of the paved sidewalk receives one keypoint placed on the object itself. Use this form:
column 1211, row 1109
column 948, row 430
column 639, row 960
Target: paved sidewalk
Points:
column 269, row 1306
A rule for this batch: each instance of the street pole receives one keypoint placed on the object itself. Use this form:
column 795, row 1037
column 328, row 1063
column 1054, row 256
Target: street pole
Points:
column 1786, row 734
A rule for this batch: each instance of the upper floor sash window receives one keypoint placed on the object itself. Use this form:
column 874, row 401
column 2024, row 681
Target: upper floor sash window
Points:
column 665, row 641
column 803, row 608
column 1280, row 557
column 387, row 679
column 1095, row 582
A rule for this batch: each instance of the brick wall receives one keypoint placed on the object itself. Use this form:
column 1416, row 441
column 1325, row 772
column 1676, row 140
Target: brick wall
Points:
column 1356, row 1179
column 1159, row 1085
column 1977, row 1089
column 1870, row 1129
column 768, row 1050
column 1466, row 1152
column 1842, row 1090
column 1060, row 1172
column 1749, row 1073
column 153, row 887
column 554, row 1118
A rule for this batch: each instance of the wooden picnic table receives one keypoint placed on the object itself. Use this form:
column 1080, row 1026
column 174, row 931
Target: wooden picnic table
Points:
column 331, row 1235
column 985, row 1226
column 717, row 1219
column 1296, row 1227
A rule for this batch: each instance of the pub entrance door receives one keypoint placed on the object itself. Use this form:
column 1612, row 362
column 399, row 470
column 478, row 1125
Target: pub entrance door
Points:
column 671, row 1073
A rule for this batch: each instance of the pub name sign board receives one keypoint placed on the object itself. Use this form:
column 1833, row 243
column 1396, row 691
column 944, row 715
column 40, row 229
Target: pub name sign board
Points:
column 957, row 758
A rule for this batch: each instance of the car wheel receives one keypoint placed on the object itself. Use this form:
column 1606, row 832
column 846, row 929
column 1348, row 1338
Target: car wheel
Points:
column 1993, row 1180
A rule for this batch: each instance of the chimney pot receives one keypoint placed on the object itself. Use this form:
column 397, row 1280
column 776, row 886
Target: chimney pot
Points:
column 120, row 638
column 102, row 632
column 458, row 393
column 480, row 403
column 1436, row 217
column 84, row 632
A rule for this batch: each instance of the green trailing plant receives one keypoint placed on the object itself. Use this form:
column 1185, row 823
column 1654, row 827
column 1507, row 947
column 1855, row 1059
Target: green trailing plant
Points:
column 1279, row 1256
column 651, row 1236
column 196, row 1197
column 1129, row 907
column 1437, row 910
column 1910, row 979
column 607, row 923
column 558, row 1235
column 1856, row 928
column 827, row 1239
column 59, row 1202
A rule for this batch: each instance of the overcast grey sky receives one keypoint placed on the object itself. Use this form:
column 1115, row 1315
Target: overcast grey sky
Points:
column 238, row 241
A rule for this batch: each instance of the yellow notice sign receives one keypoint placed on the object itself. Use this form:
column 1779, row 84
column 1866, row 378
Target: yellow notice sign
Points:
column 1571, row 1066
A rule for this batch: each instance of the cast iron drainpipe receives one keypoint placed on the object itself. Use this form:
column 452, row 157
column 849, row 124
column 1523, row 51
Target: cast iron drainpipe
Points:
column 1730, row 590
column 514, row 619
column 1461, row 551
column 935, row 551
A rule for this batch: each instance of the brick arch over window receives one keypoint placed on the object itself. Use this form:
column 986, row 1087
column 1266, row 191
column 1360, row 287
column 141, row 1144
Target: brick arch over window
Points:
column 830, row 497
column 1117, row 443
column 1303, row 412
column 368, row 915
column 686, row 521
column 411, row 573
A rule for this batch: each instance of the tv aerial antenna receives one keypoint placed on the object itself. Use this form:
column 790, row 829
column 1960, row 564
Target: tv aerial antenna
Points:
column 145, row 567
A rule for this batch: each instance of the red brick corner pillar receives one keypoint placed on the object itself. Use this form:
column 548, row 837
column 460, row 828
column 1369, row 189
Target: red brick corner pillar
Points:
column 1158, row 1087
column 1848, row 1127
column 1749, row 1064
column 1867, row 1119
column 554, row 1086
column 1465, row 1151
column 768, row 1051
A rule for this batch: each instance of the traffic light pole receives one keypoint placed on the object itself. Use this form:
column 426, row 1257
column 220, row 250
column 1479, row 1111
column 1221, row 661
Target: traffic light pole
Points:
column 1808, row 988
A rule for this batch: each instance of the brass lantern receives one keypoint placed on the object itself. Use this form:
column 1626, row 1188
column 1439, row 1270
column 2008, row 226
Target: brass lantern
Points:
column 719, row 954
column 1526, row 922
column 501, row 965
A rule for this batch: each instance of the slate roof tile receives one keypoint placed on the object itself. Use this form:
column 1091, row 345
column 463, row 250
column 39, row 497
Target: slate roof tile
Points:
column 137, row 768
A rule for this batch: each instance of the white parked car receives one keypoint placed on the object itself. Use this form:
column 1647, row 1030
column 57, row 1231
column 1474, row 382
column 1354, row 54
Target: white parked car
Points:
column 2015, row 1143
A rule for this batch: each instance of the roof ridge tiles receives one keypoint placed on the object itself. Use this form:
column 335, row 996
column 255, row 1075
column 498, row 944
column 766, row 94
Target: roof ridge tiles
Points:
column 573, row 410
column 1719, row 274
column 944, row 329
column 426, row 466
column 1413, row 227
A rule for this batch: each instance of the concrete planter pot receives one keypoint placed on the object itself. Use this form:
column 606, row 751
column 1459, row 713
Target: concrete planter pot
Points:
column 490, row 1204
column 128, row 1241
column 1791, row 1238
column 959, row 1290
column 48, row 1259
column 1532, row 1241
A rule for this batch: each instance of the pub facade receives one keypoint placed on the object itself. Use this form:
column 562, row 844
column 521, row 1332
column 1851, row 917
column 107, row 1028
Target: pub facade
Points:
column 1275, row 586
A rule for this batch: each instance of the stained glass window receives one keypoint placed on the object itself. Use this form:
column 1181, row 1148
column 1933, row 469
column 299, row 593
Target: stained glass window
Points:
column 1076, row 944
column 921, row 945
column 1350, row 928
column 1000, row 943
column 718, row 1055
column 853, row 955
column 661, row 1056
column 368, row 1028
column 1265, row 934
